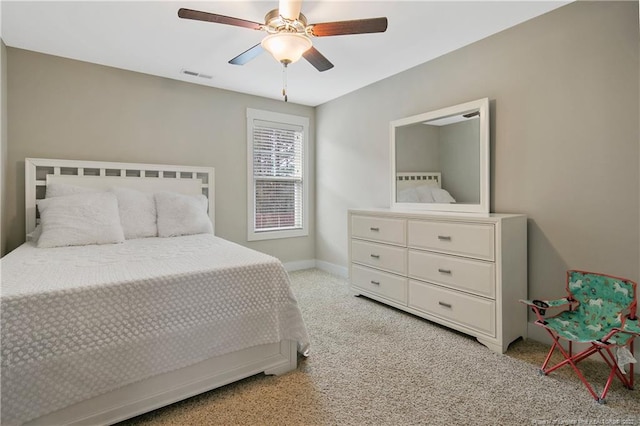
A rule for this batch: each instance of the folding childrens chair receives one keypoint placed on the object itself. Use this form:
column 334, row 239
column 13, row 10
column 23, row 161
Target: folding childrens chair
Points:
column 602, row 313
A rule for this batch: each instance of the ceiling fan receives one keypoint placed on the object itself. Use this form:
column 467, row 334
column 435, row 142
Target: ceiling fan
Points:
column 289, row 35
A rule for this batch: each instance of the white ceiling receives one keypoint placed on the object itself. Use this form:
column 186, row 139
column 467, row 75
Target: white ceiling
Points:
column 148, row 37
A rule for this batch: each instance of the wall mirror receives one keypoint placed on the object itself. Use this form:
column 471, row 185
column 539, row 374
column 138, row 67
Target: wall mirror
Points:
column 440, row 159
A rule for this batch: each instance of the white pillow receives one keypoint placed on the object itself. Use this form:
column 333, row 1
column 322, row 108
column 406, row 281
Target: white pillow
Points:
column 62, row 189
column 425, row 194
column 80, row 219
column 35, row 234
column 408, row 195
column 180, row 214
column 137, row 213
column 442, row 196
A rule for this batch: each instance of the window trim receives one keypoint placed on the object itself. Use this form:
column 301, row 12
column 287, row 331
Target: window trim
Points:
column 286, row 119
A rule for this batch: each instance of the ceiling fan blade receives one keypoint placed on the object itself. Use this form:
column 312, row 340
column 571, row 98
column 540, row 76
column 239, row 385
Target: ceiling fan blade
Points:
column 358, row 26
column 316, row 59
column 247, row 55
column 290, row 9
column 219, row 19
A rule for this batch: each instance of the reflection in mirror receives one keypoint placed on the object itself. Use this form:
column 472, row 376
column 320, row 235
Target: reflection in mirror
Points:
column 451, row 146
column 440, row 159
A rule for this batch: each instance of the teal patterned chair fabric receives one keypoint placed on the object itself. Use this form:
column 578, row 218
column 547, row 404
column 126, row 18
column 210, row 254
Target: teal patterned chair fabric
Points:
column 600, row 310
column 632, row 326
column 603, row 304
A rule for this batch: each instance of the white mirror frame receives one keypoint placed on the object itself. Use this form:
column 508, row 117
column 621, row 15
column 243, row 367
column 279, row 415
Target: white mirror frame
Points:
column 481, row 105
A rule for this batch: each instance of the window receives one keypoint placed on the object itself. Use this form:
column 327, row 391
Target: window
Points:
column 278, row 175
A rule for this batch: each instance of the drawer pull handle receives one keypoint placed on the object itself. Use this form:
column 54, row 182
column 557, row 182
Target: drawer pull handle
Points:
column 444, row 271
column 375, row 282
column 375, row 256
column 446, row 305
column 444, row 237
column 374, row 229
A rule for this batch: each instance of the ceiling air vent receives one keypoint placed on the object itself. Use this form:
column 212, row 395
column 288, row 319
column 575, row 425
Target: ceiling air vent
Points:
column 196, row 74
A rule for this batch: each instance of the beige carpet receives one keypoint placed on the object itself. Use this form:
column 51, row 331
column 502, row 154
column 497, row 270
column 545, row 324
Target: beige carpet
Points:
column 374, row 365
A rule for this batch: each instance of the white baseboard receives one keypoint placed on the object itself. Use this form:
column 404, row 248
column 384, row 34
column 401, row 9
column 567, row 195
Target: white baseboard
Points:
column 341, row 271
column 299, row 265
column 332, row 268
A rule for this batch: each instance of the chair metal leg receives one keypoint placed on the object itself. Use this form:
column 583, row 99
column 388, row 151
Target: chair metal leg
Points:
column 615, row 369
column 607, row 355
column 548, row 358
column 569, row 360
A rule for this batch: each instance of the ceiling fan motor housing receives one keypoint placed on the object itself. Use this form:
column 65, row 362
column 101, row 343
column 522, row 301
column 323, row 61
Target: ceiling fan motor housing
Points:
column 275, row 23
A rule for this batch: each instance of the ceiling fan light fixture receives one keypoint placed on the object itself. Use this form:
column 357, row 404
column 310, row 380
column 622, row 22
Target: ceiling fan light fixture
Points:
column 286, row 47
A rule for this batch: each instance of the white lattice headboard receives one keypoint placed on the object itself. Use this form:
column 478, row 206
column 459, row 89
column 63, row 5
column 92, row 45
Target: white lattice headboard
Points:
column 413, row 179
column 103, row 175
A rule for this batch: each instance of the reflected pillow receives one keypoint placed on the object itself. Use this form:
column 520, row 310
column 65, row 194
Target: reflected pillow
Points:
column 408, row 195
column 442, row 196
column 425, row 194
column 180, row 214
column 80, row 219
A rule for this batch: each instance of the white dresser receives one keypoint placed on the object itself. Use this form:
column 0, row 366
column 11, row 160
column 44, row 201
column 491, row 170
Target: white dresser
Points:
column 466, row 272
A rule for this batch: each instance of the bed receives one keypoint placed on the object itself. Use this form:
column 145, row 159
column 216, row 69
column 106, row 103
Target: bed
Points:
column 98, row 333
column 421, row 187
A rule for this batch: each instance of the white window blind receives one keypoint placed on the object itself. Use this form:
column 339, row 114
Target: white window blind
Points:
column 277, row 171
column 277, row 176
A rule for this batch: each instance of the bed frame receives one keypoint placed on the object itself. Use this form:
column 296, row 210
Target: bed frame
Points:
column 158, row 391
column 39, row 172
column 412, row 179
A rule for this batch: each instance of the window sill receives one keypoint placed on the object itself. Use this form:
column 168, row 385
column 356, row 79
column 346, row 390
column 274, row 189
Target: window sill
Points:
column 274, row 235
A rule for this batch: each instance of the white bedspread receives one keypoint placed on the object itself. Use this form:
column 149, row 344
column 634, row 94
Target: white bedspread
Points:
column 77, row 322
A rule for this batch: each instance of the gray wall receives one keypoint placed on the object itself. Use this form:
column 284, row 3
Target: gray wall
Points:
column 61, row 108
column 417, row 148
column 563, row 92
column 459, row 154
column 3, row 147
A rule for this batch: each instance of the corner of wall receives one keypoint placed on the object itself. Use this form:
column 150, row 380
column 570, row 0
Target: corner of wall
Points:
column 331, row 268
column 3, row 145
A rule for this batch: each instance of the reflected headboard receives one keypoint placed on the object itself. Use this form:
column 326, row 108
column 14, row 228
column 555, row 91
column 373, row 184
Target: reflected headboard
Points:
column 39, row 172
column 413, row 179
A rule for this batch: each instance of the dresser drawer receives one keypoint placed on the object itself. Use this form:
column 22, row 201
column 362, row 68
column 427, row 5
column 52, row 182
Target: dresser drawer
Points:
column 465, row 239
column 389, row 258
column 472, row 312
column 381, row 283
column 387, row 230
column 474, row 276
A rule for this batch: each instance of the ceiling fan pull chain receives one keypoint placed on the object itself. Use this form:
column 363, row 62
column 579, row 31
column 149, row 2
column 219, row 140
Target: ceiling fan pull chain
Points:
column 284, row 80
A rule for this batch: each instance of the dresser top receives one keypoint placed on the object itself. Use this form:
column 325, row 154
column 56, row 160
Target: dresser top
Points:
column 423, row 214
